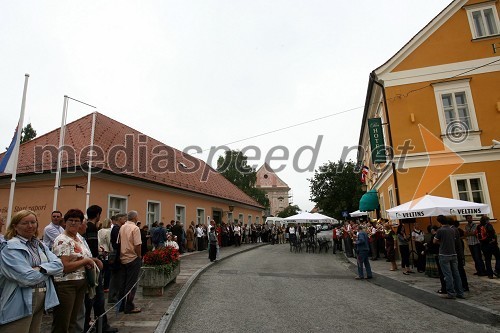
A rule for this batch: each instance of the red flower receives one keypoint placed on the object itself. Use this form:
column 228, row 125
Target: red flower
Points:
column 163, row 256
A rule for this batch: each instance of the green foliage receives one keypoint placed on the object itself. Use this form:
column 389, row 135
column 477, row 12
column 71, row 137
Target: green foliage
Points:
column 289, row 211
column 233, row 166
column 27, row 133
column 336, row 187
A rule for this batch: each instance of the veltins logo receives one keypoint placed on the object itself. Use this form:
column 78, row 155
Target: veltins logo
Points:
column 465, row 211
column 410, row 215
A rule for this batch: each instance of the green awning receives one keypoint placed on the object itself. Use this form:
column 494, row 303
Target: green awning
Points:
column 369, row 201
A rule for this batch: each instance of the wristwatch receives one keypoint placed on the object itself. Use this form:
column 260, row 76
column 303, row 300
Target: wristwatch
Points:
column 42, row 270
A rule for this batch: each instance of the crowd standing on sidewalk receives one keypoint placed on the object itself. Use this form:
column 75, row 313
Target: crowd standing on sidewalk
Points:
column 438, row 253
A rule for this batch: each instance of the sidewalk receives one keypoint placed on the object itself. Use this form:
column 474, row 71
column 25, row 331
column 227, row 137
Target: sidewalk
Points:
column 158, row 311
column 484, row 293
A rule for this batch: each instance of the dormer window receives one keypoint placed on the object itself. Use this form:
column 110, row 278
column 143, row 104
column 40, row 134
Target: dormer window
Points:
column 483, row 20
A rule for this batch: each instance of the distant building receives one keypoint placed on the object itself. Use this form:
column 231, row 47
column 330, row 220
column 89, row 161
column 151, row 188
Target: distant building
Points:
column 277, row 191
column 137, row 172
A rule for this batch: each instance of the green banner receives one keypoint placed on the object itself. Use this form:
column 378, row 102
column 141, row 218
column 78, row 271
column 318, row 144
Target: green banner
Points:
column 377, row 142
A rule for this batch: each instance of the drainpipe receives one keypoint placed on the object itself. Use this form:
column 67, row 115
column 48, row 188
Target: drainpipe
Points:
column 373, row 79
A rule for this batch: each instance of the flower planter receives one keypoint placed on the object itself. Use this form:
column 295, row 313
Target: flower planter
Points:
column 153, row 280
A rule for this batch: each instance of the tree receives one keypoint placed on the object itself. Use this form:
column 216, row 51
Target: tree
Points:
column 233, row 166
column 336, row 187
column 27, row 133
column 289, row 211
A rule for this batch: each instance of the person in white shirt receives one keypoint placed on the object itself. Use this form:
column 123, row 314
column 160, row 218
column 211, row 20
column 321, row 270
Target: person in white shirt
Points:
column 171, row 242
column 53, row 230
column 237, row 235
column 199, row 237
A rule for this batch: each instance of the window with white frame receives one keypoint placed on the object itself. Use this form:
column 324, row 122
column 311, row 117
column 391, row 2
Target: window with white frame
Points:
column 153, row 212
column 180, row 213
column 240, row 218
column 229, row 217
column 382, row 206
column 483, row 20
column 391, row 196
column 257, row 220
column 249, row 219
column 455, row 107
column 200, row 216
column 116, row 205
column 470, row 187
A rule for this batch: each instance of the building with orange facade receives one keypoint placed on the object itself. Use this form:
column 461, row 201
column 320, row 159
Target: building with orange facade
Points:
column 130, row 171
column 438, row 101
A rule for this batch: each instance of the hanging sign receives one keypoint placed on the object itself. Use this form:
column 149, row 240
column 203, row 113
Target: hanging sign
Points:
column 377, row 140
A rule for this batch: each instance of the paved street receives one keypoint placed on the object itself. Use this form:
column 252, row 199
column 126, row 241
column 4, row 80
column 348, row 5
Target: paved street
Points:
column 270, row 289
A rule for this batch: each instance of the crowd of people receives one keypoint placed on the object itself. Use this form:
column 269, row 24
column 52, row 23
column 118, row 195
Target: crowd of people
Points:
column 437, row 253
column 79, row 258
column 68, row 271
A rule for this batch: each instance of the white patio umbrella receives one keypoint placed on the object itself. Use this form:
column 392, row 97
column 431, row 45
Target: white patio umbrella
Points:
column 430, row 205
column 304, row 218
column 358, row 213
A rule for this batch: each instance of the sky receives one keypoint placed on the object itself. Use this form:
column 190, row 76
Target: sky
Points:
column 266, row 77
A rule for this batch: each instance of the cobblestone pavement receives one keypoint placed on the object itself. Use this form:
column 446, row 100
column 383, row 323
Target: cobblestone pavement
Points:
column 484, row 293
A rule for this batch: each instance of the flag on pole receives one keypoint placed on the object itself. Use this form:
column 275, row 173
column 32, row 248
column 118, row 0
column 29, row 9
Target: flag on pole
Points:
column 364, row 173
column 8, row 162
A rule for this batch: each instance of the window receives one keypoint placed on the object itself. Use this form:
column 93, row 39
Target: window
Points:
column 455, row 108
column 240, row 218
column 382, row 206
column 257, row 220
column 153, row 212
column 470, row 190
column 391, row 196
column 229, row 217
column 456, row 112
column 249, row 219
column 483, row 20
column 470, row 187
column 200, row 216
column 116, row 205
column 180, row 214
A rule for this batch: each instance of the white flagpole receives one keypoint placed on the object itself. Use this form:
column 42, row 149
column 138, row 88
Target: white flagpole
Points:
column 16, row 151
column 62, row 133
column 89, row 175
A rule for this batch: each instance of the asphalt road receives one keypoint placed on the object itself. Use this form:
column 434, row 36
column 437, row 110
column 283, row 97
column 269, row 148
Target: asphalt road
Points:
column 270, row 289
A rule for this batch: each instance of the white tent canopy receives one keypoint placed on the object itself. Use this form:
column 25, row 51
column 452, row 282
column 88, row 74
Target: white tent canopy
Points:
column 357, row 213
column 304, row 218
column 326, row 219
column 430, row 205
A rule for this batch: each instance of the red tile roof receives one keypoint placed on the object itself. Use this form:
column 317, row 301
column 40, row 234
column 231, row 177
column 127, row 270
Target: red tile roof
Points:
column 150, row 159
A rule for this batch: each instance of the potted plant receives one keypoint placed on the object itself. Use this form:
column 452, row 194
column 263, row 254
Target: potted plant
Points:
column 161, row 267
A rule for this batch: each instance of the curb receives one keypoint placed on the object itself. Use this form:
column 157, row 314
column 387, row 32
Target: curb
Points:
column 166, row 320
column 460, row 308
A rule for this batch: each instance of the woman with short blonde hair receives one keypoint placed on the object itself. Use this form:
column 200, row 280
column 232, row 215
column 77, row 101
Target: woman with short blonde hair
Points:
column 26, row 267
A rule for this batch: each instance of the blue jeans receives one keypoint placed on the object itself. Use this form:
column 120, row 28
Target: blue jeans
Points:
column 363, row 260
column 449, row 267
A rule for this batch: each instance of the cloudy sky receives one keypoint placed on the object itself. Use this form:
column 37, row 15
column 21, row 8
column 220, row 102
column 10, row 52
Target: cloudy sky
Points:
column 205, row 73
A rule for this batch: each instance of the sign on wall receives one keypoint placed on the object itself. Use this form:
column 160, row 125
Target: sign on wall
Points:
column 377, row 142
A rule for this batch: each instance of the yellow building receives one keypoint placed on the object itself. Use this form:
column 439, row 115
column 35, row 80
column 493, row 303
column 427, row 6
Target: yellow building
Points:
column 131, row 171
column 438, row 100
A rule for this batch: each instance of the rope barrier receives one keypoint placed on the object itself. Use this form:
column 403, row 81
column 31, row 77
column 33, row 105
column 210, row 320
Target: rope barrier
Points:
column 117, row 306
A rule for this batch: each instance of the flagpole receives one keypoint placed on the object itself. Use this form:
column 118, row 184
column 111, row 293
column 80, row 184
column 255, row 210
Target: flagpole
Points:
column 62, row 134
column 89, row 175
column 16, row 150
